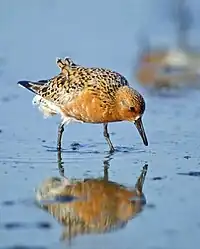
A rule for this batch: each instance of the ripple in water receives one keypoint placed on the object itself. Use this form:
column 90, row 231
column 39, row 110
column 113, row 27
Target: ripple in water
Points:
column 191, row 173
column 20, row 225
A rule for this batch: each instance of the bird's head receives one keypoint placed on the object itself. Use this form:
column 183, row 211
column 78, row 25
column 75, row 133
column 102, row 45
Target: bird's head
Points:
column 131, row 107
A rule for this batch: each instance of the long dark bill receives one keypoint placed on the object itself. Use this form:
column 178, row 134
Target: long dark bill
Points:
column 139, row 125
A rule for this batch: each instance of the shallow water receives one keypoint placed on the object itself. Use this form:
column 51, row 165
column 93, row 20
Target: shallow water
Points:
column 103, row 34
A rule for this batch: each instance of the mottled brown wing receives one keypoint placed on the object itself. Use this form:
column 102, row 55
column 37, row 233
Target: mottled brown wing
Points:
column 58, row 90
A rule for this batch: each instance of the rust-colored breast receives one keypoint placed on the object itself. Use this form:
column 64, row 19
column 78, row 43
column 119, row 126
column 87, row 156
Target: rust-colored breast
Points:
column 90, row 107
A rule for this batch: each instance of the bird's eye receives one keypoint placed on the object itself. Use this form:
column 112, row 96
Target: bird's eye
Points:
column 132, row 109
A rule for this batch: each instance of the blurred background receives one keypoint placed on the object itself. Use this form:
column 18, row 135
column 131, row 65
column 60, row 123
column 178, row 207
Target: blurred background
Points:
column 155, row 45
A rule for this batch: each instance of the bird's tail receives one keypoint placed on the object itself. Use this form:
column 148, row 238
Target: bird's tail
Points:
column 34, row 87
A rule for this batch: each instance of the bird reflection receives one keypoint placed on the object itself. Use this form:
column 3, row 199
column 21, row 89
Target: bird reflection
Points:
column 94, row 205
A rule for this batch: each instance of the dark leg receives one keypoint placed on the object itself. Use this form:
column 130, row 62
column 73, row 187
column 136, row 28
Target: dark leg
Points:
column 61, row 168
column 60, row 132
column 107, row 137
column 60, row 164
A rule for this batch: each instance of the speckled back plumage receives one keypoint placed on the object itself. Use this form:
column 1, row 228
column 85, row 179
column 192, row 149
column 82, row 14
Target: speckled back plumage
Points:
column 74, row 78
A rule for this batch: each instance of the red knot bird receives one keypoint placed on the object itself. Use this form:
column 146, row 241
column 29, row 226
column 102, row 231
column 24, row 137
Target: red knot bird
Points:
column 88, row 95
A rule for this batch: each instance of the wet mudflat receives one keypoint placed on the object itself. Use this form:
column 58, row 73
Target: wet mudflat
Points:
column 32, row 35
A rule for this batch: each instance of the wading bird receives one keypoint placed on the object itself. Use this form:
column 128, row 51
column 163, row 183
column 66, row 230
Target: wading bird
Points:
column 90, row 95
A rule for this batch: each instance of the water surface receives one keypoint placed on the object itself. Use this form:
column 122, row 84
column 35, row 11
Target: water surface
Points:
column 33, row 34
